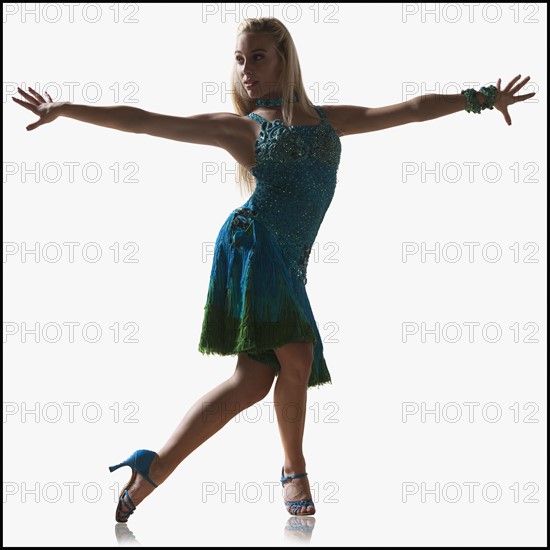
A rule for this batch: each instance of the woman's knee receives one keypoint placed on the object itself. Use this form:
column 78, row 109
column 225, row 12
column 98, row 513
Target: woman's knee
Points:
column 253, row 378
column 296, row 360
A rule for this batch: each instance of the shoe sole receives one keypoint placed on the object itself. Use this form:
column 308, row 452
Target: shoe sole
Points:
column 132, row 479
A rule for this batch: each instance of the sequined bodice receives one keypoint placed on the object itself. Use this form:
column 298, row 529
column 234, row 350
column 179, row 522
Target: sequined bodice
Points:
column 295, row 170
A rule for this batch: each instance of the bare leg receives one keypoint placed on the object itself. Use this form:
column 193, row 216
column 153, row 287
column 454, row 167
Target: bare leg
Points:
column 290, row 396
column 249, row 384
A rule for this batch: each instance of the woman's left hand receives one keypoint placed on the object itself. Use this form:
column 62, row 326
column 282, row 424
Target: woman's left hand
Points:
column 506, row 97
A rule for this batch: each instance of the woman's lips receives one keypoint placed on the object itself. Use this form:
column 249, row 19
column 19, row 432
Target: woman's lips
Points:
column 250, row 84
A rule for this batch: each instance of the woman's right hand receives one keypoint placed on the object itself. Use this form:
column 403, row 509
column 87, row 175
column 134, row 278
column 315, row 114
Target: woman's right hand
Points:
column 47, row 110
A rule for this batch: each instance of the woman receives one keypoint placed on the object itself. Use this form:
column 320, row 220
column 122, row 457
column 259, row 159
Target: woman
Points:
column 257, row 306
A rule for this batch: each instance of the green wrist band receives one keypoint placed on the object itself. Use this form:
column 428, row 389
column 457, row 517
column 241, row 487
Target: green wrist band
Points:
column 490, row 93
column 472, row 103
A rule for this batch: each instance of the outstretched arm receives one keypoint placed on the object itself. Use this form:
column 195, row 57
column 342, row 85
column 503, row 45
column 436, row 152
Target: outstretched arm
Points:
column 207, row 129
column 350, row 119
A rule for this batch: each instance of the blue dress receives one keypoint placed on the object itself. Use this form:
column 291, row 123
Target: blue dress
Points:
column 256, row 298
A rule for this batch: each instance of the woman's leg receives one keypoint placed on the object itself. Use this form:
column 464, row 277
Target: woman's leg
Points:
column 250, row 383
column 290, row 397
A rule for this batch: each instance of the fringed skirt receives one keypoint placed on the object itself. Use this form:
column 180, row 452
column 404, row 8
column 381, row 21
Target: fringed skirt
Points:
column 253, row 303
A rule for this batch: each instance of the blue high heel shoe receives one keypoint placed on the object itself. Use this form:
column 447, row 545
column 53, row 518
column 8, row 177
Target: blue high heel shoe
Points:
column 294, row 505
column 140, row 462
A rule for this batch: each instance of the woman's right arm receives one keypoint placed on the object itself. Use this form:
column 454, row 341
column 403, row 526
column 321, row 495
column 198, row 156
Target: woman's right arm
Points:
column 217, row 129
column 205, row 129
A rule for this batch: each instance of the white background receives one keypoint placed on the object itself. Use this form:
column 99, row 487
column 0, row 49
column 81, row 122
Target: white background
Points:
column 359, row 450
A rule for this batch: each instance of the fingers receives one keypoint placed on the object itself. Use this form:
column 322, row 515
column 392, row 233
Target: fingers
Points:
column 523, row 97
column 519, row 85
column 507, row 117
column 511, row 83
column 49, row 97
column 498, row 85
column 28, row 97
column 35, row 125
column 36, row 94
column 24, row 104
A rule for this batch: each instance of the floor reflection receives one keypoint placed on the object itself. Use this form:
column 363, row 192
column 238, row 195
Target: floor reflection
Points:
column 124, row 536
column 298, row 529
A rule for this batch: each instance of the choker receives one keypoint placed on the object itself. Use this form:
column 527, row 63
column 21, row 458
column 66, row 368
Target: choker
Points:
column 272, row 102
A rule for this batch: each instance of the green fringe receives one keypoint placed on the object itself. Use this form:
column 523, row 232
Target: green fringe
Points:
column 223, row 335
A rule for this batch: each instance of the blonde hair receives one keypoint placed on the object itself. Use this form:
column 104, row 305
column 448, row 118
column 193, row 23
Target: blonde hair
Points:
column 290, row 81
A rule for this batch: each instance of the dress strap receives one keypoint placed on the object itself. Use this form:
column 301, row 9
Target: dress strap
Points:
column 321, row 112
column 258, row 118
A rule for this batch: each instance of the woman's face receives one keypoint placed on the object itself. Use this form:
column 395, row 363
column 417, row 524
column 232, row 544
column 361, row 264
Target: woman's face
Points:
column 258, row 65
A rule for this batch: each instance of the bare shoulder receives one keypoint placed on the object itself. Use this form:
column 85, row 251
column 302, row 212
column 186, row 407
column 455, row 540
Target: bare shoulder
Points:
column 237, row 134
column 217, row 116
column 337, row 116
column 205, row 128
column 232, row 125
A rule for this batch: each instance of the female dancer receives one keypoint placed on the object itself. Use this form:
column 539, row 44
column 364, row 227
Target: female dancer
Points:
column 257, row 306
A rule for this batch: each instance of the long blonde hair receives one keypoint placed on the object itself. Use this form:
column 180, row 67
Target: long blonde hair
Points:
column 290, row 81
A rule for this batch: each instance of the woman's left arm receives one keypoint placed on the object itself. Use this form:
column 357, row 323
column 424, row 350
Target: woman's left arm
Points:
column 351, row 119
column 436, row 105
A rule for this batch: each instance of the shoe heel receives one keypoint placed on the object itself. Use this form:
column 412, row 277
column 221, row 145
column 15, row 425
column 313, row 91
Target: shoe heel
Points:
column 113, row 468
column 140, row 461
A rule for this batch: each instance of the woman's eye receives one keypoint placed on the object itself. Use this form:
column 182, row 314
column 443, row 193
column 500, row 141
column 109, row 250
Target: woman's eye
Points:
column 240, row 59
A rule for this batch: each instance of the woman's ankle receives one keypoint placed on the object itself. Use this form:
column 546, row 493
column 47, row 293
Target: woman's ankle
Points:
column 294, row 466
column 159, row 472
